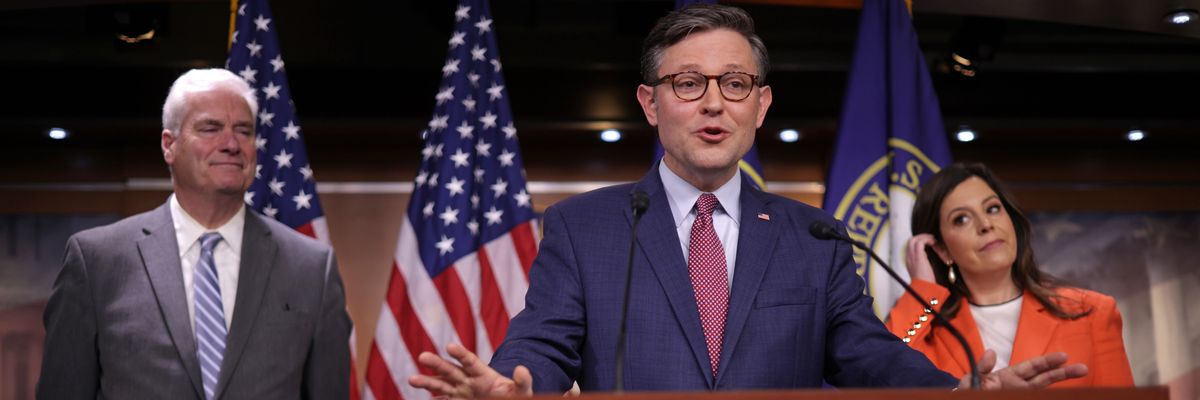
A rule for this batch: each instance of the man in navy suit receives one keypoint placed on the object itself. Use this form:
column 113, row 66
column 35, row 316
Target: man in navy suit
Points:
column 729, row 289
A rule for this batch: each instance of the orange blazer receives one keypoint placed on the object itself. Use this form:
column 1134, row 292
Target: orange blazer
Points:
column 1093, row 340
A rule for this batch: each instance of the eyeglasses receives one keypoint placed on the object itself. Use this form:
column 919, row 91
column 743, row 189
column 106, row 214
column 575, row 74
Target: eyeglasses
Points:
column 691, row 85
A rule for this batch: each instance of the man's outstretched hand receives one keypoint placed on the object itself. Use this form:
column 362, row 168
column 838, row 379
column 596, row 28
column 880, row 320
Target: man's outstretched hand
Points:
column 1035, row 373
column 473, row 379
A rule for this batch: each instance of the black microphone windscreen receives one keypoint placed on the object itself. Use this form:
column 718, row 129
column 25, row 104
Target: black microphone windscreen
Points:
column 822, row 230
column 640, row 201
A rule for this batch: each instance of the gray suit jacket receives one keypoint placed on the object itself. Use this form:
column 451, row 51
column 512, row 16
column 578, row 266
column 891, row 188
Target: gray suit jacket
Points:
column 117, row 323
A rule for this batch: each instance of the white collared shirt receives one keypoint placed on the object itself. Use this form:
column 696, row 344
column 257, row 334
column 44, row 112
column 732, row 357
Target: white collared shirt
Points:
column 227, row 255
column 682, row 196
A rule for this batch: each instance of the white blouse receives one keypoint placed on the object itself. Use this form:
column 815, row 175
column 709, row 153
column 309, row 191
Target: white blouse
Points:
column 998, row 328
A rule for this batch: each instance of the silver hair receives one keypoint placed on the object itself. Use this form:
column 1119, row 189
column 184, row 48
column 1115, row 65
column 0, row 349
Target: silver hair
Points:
column 200, row 80
column 697, row 18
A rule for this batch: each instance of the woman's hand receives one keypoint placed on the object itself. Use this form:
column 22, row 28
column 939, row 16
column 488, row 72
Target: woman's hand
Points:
column 916, row 259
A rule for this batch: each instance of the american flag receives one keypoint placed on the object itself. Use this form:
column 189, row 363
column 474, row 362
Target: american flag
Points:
column 283, row 188
column 462, row 262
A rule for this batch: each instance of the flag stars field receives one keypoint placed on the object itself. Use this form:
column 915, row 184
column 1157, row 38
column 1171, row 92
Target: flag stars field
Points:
column 459, row 272
column 262, row 23
column 455, row 186
column 445, row 95
column 255, row 48
column 494, row 92
column 461, row 158
column 302, row 200
column 279, row 191
column 283, row 159
column 488, row 120
column 457, row 39
column 466, row 131
column 292, row 131
column 271, row 91
column 276, row 186
column 266, row 118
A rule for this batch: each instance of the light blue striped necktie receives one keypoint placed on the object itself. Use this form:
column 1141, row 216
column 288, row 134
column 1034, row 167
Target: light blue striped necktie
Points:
column 210, row 315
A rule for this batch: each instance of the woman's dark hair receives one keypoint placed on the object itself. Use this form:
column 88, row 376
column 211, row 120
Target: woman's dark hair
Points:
column 1025, row 272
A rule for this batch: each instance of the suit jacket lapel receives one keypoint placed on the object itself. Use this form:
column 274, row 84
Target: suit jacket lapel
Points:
column 659, row 243
column 756, row 243
column 965, row 322
column 258, row 252
column 160, row 257
column 1035, row 329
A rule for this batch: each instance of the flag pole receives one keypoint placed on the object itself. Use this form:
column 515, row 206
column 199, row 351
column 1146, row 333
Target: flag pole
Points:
column 232, row 23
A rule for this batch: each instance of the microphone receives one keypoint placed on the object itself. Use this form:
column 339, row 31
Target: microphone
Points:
column 824, row 231
column 639, row 202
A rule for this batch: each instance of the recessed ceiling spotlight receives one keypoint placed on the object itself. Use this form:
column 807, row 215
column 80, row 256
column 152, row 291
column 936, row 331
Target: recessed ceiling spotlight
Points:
column 1181, row 16
column 148, row 35
column 57, row 133
column 610, row 135
column 965, row 134
column 962, row 65
column 1135, row 135
column 789, row 135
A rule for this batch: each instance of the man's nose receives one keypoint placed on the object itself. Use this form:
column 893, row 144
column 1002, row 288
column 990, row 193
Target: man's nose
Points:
column 713, row 102
column 231, row 141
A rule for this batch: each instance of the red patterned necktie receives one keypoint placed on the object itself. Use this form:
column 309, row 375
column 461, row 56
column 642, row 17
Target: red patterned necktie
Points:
column 706, row 266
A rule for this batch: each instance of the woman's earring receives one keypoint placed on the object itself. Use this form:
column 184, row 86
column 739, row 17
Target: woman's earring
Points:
column 951, row 274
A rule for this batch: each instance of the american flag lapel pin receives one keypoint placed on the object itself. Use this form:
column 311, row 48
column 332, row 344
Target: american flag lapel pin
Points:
column 764, row 216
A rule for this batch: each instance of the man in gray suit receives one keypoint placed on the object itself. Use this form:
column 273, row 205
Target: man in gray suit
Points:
column 199, row 298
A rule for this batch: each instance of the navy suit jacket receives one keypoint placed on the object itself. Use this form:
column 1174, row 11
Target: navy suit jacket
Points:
column 797, row 313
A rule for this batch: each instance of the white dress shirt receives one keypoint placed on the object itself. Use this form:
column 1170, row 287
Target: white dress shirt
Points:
column 682, row 196
column 227, row 255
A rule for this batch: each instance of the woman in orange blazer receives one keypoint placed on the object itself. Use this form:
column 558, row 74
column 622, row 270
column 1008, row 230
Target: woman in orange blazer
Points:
column 982, row 276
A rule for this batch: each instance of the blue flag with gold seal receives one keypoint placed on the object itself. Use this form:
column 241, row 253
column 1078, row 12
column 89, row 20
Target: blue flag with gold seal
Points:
column 890, row 139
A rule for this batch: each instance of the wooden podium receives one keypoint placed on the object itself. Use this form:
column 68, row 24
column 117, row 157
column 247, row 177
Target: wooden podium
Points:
column 1150, row 393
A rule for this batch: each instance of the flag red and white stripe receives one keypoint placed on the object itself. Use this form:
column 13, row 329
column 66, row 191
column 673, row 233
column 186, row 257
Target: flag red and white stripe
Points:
column 461, row 266
column 473, row 300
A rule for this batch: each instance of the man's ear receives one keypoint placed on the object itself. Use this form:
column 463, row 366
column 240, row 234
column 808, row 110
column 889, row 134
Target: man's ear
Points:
column 645, row 97
column 764, row 102
column 168, row 146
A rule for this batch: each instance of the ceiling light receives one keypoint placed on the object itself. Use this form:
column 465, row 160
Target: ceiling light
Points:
column 965, row 134
column 610, row 135
column 1135, row 135
column 57, row 133
column 960, row 59
column 973, row 44
column 1181, row 17
column 962, row 65
column 789, row 135
column 149, row 35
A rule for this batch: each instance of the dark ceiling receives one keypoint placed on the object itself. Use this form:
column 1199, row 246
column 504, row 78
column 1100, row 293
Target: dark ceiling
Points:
column 1058, row 72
